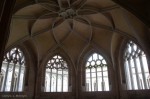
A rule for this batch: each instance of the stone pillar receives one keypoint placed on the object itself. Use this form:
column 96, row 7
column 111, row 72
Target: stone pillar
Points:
column 6, row 9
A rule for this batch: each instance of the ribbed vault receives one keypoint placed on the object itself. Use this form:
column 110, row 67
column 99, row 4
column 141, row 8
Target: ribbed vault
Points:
column 73, row 25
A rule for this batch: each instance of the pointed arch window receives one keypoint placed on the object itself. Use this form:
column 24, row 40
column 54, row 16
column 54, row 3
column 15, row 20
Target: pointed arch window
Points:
column 14, row 69
column 97, row 73
column 136, row 67
column 56, row 75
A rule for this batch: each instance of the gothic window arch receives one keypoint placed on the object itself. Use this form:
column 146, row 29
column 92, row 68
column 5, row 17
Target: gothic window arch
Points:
column 56, row 75
column 96, row 73
column 14, row 67
column 136, row 67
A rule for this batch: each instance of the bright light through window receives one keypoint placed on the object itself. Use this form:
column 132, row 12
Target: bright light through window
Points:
column 56, row 75
column 97, row 74
column 13, row 70
column 135, row 63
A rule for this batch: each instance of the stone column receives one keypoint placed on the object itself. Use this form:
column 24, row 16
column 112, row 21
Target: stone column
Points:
column 6, row 9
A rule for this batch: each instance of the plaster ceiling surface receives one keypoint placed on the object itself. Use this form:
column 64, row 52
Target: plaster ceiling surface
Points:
column 71, row 25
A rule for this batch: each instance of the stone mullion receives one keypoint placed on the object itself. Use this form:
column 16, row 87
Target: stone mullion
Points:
column 136, row 73
column 6, row 75
column 56, row 77
column 102, row 79
column 133, row 53
column 62, row 80
column 143, row 73
column 127, row 77
column 96, row 80
column 91, row 79
column 50, row 80
column 131, row 74
column 12, row 78
column 18, row 80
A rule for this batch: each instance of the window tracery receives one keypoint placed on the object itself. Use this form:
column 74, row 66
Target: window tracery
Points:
column 97, row 73
column 136, row 67
column 14, row 67
column 56, row 75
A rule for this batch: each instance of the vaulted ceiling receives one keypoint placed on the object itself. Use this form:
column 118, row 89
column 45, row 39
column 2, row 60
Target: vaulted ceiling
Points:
column 74, row 26
column 140, row 8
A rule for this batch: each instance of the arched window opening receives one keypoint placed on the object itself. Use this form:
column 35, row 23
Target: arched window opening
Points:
column 136, row 67
column 56, row 75
column 97, row 73
column 14, row 70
